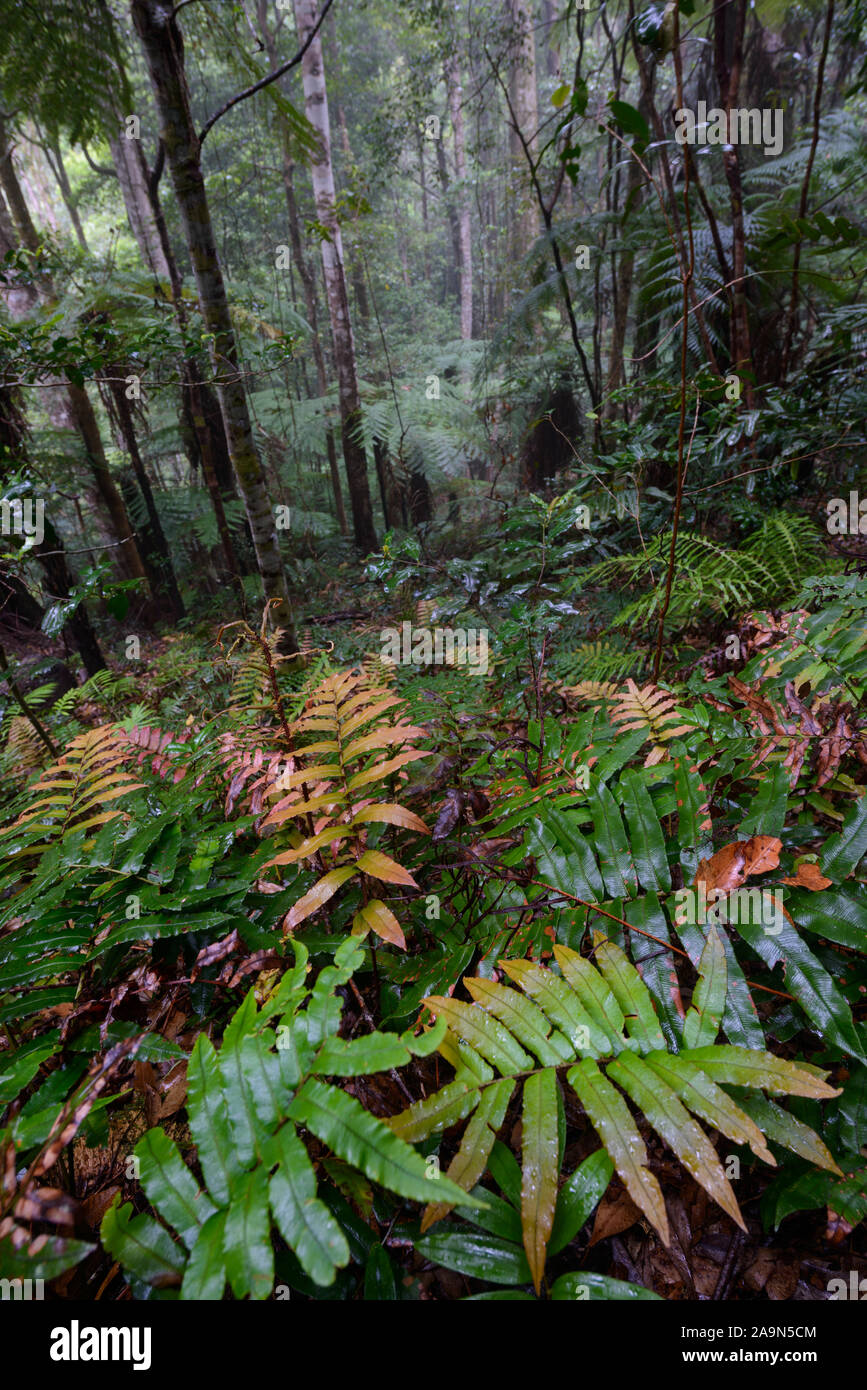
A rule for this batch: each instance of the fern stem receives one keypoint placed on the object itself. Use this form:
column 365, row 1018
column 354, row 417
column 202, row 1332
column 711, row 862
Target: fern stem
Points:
column 27, row 711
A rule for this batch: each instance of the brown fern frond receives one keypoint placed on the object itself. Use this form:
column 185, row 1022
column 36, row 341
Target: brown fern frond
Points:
column 652, row 709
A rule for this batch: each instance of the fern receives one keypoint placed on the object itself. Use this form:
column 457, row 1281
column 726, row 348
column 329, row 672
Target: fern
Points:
column 251, row 1106
column 599, row 1022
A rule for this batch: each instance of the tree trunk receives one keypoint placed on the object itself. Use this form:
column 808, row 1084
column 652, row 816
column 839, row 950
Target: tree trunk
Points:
column 304, row 270
column 728, row 75
column 163, row 47
column 316, row 106
column 522, row 84
column 159, row 560
column 455, row 93
column 80, row 408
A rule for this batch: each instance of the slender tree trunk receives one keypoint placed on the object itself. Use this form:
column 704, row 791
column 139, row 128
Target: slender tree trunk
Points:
column 54, row 158
column 163, row 47
column 80, row 408
column 299, row 257
column 729, row 75
column 522, row 81
column 162, row 572
column 316, row 105
column 455, row 95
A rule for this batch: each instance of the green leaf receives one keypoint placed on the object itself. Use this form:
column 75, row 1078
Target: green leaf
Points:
column 304, row 1222
column 209, row 1121
column 611, row 844
column 631, row 120
column 702, row 1023
column 540, row 1156
column 609, row 1116
column 42, row 1257
column 523, row 1019
column 247, row 1249
column 661, row 1107
column 579, row 1197
column 379, row 1281
column 141, row 1245
column 355, row 1135
column 647, row 842
column 631, row 995
column 255, row 1091
column 205, row 1274
column 842, row 853
column 482, row 1032
column 436, row 1112
column 170, row 1186
column 360, row 1056
column 471, row 1159
column 480, row 1256
column 561, row 1004
column 709, row 1101
column 751, row 1067
column 782, row 1128
column 585, row 1286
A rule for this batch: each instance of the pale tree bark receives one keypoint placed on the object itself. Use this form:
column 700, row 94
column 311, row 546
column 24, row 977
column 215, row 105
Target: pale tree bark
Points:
column 80, row 409
column 132, row 176
column 522, row 91
column 456, row 111
column 163, row 48
column 299, row 256
column 322, row 174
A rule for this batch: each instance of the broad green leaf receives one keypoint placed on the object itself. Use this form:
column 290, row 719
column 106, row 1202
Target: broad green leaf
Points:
column 661, row 1107
column 842, row 853
column 499, row 1217
column 355, row 1135
column 522, row 1018
column 743, row 1067
column 609, row 1116
column 631, row 995
column 170, row 1186
column 579, row 1197
column 482, row 1032
column 702, row 1023
column 595, row 994
column 379, row 1281
column 205, row 1275
column 740, row 1019
column 471, row 1159
column 304, row 1222
column 249, row 1256
column 709, row 1101
column 436, row 1112
column 782, row 1128
column 476, row 1254
column 807, row 979
column 141, row 1245
column 390, row 814
column 655, row 965
column 561, row 1004
column 540, row 1157
column 255, row 1091
column 564, row 857
column 41, row 1257
column 646, row 840
column 584, row 1286
column 209, row 1121
column 611, row 844
column 360, row 1056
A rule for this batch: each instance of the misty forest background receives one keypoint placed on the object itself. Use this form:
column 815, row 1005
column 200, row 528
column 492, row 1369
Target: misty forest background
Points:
column 327, row 976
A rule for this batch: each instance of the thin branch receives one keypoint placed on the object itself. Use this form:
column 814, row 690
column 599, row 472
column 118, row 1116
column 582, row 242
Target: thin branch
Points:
column 272, row 76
